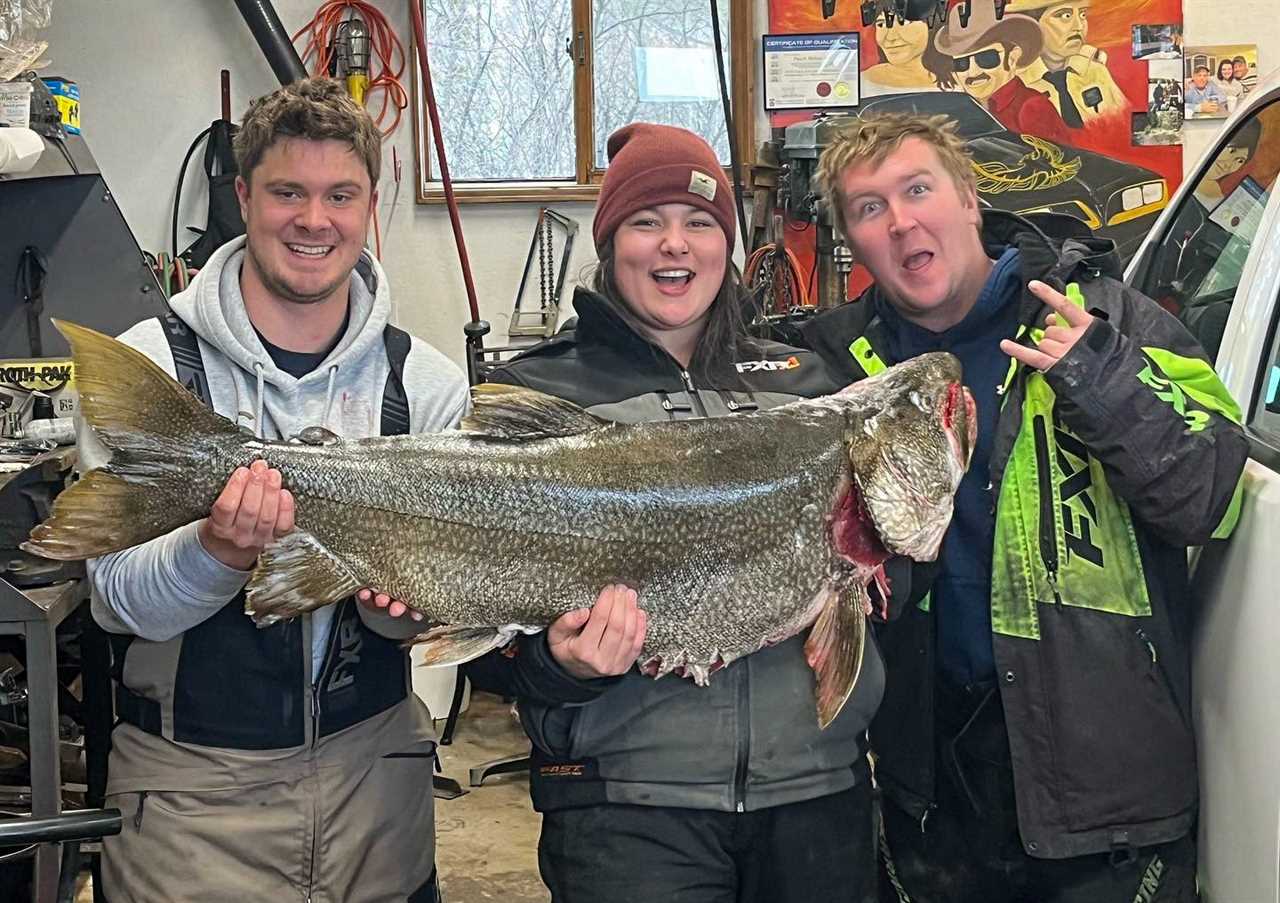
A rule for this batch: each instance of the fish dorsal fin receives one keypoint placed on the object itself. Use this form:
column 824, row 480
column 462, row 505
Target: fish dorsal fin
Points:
column 516, row 414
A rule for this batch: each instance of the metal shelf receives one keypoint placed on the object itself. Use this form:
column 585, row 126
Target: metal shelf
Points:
column 35, row 614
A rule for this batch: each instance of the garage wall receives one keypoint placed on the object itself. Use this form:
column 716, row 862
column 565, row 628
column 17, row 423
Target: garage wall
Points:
column 148, row 75
column 1227, row 22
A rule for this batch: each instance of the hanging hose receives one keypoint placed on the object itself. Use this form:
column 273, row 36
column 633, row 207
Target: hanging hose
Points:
column 776, row 279
column 420, row 40
column 735, row 163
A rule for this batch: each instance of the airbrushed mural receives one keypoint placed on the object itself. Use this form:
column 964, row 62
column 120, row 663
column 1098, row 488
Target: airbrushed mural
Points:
column 1044, row 91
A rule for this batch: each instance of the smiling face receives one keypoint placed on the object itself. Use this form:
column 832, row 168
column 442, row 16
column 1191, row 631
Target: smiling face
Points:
column 1200, row 78
column 1240, row 68
column 902, row 41
column 987, row 69
column 1065, row 27
column 916, row 231
column 306, row 210
column 669, row 262
column 1225, row 72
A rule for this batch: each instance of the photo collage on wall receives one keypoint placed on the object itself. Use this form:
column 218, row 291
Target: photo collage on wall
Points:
column 1161, row 47
column 1204, row 82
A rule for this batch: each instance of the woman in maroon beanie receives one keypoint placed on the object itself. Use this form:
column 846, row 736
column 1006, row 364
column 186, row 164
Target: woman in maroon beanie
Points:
column 660, row 790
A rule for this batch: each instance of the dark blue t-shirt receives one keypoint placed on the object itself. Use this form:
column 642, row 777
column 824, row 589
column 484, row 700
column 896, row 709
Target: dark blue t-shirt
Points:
column 299, row 363
column 961, row 596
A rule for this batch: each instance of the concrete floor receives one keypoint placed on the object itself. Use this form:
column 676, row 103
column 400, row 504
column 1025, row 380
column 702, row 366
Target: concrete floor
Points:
column 487, row 840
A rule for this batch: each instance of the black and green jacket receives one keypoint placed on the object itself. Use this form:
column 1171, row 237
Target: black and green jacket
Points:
column 1104, row 470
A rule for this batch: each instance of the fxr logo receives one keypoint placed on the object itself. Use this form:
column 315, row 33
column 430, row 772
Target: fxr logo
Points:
column 350, row 644
column 1079, row 512
column 1171, row 393
column 790, row 363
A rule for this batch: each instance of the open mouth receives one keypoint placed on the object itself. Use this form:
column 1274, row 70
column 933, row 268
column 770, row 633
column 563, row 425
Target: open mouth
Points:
column 310, row 252
column 974, row 81
column 914, row 263
column 959, row 403
column 673, row 280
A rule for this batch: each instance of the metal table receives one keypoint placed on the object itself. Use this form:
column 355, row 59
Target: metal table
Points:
column 35, row 614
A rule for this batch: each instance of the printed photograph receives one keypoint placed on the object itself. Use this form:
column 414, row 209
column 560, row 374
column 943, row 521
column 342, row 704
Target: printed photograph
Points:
column 1157, row 42
column 1217, row 77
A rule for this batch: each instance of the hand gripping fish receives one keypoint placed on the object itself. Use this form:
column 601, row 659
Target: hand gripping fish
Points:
column 737, row 532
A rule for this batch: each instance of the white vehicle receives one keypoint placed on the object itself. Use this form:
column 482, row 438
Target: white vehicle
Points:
column 1214, row 256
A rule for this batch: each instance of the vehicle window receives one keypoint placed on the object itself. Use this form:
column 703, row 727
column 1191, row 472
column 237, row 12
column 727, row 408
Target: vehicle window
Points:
column 1266, row 415
column 1197, row 267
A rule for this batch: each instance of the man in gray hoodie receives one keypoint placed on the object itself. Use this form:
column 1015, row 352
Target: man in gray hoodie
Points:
column 291, row 762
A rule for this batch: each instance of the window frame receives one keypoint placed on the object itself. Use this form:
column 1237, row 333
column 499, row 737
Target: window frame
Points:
column 587, row 179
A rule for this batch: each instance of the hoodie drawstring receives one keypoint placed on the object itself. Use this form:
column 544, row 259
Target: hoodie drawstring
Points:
column 262, row 388
column 328, row 396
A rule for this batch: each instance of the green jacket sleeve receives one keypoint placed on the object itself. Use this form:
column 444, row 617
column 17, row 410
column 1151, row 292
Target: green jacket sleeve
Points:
column 1139, row 392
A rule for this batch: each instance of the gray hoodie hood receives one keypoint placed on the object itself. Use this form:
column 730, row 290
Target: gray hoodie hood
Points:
column 337, row 395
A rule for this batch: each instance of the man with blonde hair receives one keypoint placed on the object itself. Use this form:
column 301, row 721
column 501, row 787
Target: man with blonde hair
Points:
column 1033, row 742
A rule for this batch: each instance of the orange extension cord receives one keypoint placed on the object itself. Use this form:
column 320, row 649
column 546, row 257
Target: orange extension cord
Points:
column 386, row 64
column 386, row 53
column 776, row 281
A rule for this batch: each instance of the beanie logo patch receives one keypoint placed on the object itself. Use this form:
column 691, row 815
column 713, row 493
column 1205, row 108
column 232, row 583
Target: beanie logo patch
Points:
column 702, row 185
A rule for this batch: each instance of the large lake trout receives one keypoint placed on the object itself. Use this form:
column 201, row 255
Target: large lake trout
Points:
column 737, row 532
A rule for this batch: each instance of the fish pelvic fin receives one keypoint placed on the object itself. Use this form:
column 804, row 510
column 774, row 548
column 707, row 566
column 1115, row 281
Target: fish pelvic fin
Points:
column 518, row 414
column 296, row 574
column 834, row 650
column 157, row 435
column 455, row 645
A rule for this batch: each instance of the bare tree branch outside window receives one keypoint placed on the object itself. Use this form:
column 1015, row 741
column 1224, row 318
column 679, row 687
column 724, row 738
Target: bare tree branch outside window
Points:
column 504, row 85
column 630, row 37
column 505, row 82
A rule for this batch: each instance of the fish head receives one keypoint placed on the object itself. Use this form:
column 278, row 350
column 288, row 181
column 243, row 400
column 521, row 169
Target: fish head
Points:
column 909, row 443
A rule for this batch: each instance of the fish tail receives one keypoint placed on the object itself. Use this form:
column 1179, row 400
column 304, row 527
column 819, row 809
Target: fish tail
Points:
column 160, row 439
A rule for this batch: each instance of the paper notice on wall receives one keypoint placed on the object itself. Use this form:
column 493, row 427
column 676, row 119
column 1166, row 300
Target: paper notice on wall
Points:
column 811, row 71
column 676, row 74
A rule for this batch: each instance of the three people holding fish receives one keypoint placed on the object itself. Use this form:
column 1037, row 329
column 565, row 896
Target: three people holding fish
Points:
column 1034, row 715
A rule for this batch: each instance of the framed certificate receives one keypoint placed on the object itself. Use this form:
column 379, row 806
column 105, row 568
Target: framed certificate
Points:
column 810, row 71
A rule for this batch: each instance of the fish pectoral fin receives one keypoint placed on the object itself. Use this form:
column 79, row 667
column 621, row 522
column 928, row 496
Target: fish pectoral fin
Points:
column 834, row 650
column 515, row 413
column 295, row 574
column 455, row 645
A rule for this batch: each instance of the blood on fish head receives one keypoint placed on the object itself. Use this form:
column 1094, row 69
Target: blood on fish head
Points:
column 909, row 443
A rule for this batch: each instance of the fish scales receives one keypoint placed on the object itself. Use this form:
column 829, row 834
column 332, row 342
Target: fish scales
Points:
column 737, row 532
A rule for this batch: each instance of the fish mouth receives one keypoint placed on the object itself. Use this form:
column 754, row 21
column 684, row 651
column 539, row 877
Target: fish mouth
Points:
column 959, row 405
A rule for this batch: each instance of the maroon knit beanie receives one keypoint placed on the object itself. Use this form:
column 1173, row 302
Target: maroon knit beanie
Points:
column 660, row 164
